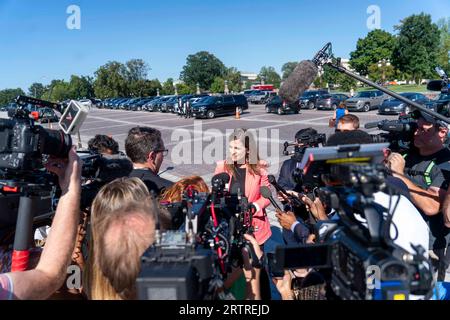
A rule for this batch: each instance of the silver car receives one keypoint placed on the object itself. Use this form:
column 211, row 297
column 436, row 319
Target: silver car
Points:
column 366, row 101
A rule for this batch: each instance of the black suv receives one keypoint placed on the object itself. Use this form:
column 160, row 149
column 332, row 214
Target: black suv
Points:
column 281, row 107
column 210, row 107
column 309, row 98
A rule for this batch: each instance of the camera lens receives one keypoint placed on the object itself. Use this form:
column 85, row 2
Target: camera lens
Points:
column 55, row 143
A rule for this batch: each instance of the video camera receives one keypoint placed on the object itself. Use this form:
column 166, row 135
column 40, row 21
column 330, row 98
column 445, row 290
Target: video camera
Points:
column 358, row 242
column 192, row 262
column 302, row 142
column 28, row 192
column 399, row 135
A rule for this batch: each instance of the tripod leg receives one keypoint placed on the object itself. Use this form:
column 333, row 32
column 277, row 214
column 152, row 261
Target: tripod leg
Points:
column 23, row 235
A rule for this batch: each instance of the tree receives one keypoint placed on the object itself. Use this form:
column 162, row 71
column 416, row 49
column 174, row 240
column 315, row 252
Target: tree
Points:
column 377, row 45
column 202, row 67
column 136, row 69
column 233, row 76
column 167, row 87
column 218, row 86
column 270, row 76
column 8, row 95
column 287, row 69
column 183, row 88
column 416, row 50
column 444, row 44
column 36, row 90
column 81, row 87
column 376, row 72
column 111, row 80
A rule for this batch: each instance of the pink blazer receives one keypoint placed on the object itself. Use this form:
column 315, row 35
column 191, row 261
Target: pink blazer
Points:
column 253, row 182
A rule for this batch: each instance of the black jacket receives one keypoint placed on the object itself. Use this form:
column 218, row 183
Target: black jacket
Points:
column 154, row 183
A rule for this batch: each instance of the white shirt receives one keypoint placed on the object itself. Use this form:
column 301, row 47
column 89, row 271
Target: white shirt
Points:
column 408, row 225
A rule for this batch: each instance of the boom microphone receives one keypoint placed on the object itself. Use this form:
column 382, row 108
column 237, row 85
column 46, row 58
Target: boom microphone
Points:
column 266, row 193
column 299, row 80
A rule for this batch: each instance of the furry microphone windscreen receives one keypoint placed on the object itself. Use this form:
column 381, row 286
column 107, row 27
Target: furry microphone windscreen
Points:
column 300, row 79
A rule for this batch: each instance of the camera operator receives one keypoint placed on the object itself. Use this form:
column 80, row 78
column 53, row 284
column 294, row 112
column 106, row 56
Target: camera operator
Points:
column 103, row 144
column 294, row 228
column 410, row 225
column 145, row 148
column 50, row 272
column 426, row 172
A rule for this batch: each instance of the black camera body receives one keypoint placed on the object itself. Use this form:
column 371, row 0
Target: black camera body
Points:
column 192, row 261
column 357, row 247
column 174, row 269
column 22, row 143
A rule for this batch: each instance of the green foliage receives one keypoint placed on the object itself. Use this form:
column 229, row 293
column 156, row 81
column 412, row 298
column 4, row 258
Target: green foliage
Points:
column 234, row 79
column 184, row 88
column 336, row 79
column 36, row 90
column 377, row 45
column 111, row 80
column 287, row 69
column 417, row 46
column 376, row 72
column 218, row 86
column 167, row 87
column 8, row 95
column 202, row 67
column 270, row 76
column 444, row 44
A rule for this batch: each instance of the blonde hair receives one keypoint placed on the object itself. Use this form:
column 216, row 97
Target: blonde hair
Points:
column 122, row 227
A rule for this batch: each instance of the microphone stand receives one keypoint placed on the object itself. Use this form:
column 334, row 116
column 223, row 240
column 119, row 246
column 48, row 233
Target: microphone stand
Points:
column 337, row 66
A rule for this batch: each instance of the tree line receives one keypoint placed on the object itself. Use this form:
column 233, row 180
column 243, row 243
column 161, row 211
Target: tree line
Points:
column 418, row 46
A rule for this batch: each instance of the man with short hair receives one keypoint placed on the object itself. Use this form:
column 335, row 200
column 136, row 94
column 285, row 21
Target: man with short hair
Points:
column 145, row 148
column 426, row 172
column 349, row 122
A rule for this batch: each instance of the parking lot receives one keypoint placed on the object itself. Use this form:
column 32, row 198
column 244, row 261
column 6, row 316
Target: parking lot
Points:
column 196, row 136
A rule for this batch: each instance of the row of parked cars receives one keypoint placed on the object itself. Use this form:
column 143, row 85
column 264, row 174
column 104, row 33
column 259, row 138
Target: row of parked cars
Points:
column 364, row 101
column 201, row 106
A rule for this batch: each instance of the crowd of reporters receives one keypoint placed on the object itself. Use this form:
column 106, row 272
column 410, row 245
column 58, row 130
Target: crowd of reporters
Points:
column 125, row 213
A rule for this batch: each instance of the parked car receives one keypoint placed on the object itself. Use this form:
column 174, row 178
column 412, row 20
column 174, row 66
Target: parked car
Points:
column 260, row 97
column 152, row 105
column 395, row 106
column 47, row 115
column 212, row 106
column 276, row 104
column 366, row 101
column 139, row 105
column 162, row 103
column 248, row 93
column 330, row 101
column 309, row 98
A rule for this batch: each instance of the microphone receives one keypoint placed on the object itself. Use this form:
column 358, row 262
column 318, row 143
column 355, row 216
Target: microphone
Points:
column 266, row 193
column 298, row 81
column 372, row 125
column 304, row 75
column 280, row 189
column 219, row 181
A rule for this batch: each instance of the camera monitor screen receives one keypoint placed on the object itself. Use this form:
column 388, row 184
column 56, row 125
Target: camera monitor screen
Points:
column 69, row 116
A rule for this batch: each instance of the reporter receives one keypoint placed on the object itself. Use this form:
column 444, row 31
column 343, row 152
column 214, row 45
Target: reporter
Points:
column 50, row 272
column 247, row 174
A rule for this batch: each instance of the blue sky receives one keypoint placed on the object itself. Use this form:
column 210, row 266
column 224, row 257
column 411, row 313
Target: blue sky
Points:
column 36, row 46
